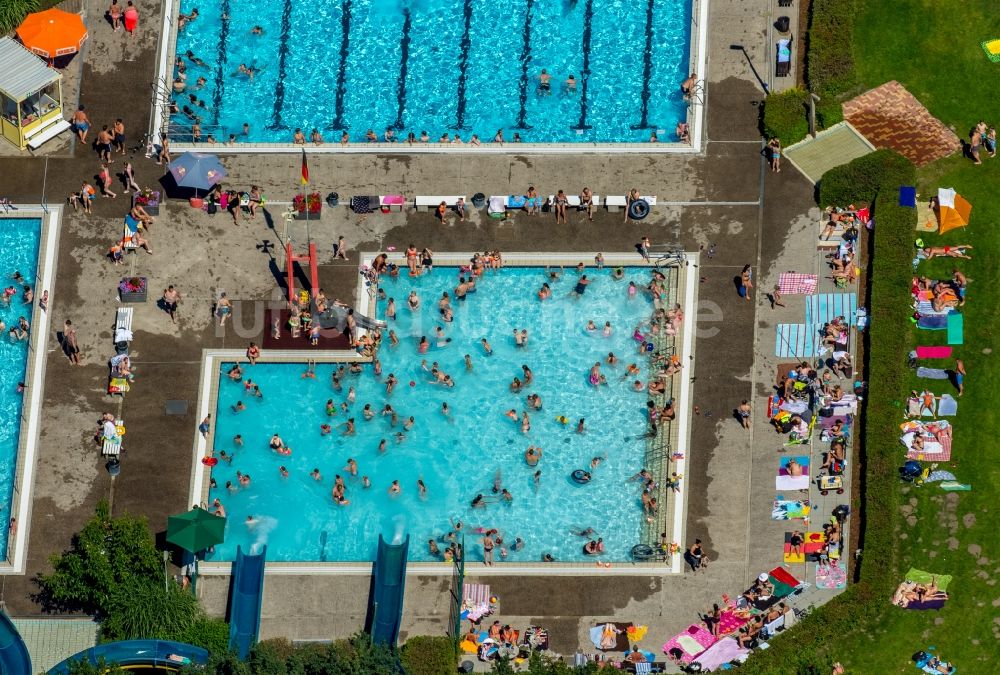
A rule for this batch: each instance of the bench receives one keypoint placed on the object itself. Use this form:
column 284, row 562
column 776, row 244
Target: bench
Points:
column 574, row 200
column 425, row 202
column 613, row 203
column 124, row 318
column 46, row 132
column 393, row 202
column 112, row 447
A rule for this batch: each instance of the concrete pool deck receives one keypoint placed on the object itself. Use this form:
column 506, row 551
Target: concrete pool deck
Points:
column 722, row 197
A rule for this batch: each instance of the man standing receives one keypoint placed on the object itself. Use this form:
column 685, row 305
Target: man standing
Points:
column 170, row 299
column 81, row 124
column 69, row 343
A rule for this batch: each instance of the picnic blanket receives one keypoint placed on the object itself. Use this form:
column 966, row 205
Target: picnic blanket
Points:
column 785, row 509
column 933, row 352
column 796, row 340
column 915, row 576
column 934, row 450
column 825, row 307
column 692, row 641
column 721, row 653
column 792, row 283
column 956, row 324
column 833, row 575
column 947, row 406
column 932, row 373
column 785, row 482
column 922, row 577
column 933, row 322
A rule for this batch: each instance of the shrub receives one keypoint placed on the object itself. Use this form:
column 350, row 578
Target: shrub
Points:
column 863, row 179
column 207, row 633
column 145, row 609
column 829, row 59
column 804, row 648
column 785, row 116
column 12, row 13
column 425, row 655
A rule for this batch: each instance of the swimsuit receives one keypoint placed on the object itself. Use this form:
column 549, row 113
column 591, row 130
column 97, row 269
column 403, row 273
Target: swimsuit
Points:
column 580, row 288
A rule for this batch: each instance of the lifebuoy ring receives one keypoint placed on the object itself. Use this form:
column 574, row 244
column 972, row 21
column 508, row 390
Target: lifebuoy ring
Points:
column 580, row 476
column 638, row 209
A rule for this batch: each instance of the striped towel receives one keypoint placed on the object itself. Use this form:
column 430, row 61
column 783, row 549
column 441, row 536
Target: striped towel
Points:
column 796, row 340
column 824, row 308
column 926, row 308
column 476, row 593
column 790, row 283
column 934, row 451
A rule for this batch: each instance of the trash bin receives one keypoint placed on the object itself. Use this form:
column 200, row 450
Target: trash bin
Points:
column 332, row 199
column 479, row 200
column 466, row 667
column 782, row 24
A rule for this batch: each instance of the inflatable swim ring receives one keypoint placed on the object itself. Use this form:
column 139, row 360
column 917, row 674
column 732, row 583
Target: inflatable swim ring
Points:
column 580, row 476
column 120, row 430
column 562, row 419
column 210, row 461
column 638, row 209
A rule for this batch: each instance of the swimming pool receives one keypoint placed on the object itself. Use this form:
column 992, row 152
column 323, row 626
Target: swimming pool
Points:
column 456, row 456
column 19, row 239
column 440, row 66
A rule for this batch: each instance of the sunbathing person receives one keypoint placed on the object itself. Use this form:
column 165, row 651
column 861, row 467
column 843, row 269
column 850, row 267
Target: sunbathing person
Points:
column 749, row 632
column 944, row 298
column 947, row 251
column 843, row 366
column 609, row 636
column 794, row 468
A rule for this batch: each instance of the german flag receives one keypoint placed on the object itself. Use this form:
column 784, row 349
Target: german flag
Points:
column 305, row 169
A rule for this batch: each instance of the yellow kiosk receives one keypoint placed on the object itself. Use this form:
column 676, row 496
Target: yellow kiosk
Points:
column 30, row 97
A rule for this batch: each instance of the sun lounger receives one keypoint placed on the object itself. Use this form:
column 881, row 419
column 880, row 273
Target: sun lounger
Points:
column 424, row 203
column 783, row 58
column 616, row 202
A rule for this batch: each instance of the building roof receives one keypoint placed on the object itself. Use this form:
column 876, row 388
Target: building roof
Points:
column 21, row 72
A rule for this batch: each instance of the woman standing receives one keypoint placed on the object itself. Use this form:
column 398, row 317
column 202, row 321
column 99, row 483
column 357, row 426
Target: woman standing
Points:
column 632, row 196
column 115, row 14
column 746, row 282
column 131, row 19
column 774, row 154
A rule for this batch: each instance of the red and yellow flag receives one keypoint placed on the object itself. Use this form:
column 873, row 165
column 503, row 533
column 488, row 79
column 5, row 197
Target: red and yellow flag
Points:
column 305, row 168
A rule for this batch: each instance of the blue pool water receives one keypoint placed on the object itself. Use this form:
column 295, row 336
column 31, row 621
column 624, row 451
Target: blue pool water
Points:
column 441, row 66
column 459, row 457
column 18, row 252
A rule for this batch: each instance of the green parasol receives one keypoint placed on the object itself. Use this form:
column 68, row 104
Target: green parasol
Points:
column 196, row 530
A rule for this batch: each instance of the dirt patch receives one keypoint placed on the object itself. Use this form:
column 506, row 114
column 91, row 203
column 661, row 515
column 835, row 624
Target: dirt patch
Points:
column 969, row 519
column 975, row 550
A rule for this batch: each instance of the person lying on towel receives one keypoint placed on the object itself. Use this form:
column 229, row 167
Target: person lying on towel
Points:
column 944, row 297
column 947, row 252
column 910, row 591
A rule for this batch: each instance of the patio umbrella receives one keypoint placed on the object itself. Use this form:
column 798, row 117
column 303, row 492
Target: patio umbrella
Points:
column 197, row 170
column 196, row 530
column 52, row 33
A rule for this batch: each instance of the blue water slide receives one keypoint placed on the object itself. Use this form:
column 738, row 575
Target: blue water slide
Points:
column 14, row 658
column 245, row 596
column 157, row 653
column 385, row 601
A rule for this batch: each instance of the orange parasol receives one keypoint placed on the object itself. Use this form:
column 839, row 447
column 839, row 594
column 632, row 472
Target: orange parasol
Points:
column 52, row 33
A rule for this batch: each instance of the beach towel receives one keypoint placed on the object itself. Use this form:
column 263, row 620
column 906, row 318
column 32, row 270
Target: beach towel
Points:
column 908, row 196
column 796, row 340
column 621, row 638
column 475, row 601
column 516, row 201
column 956, row 322
column 791, row 283
column 833, row 575
column 827, row 422
column 954, row 486
column 730, row 622
column 782, row 577
column 723, row 652
column 785, row 482
column 497, row 206
column 825, row 307
column 992, row 49
column 814, row 542
column 362, row 204
column 947, row 406
column 789, row 555
column 935, row 476
column 934, row 451
column 925, row 307
column 784, row 509
column 933, row 352
column 932, row 373
column 938, row 322
column 922, row 577
column 692, row 641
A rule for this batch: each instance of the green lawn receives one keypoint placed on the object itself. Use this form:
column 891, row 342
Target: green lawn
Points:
column 932, row 48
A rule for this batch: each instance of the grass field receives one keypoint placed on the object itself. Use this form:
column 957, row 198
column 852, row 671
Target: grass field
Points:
column 932, row 48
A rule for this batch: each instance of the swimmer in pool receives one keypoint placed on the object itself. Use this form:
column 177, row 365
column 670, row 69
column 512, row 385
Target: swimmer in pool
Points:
column 422, row 489
column 478, row 502
column 528, row 375
column 381, row 446
column 612, row 360
column 468, row 363
column 283, row 471
column 238, row 440
column 486, row 347
column 581, row 287
column 532, row 455
column 257, row 30
column 413, row 301
column 516, row 385
column 394, row 489
column 408, row 424
column 607, row 329
column 595, row 462
column 315, row 475
column 544, row 83
column 569, row 86
column 239, row 407
column 249, row 71
column 591, row 326
column 349, row 428
column 276, row 442
column 512, row 414
column 579, row 426
column 525, row 422
column 367, row 412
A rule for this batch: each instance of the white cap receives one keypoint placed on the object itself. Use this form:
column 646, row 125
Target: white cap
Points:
column 762, row 577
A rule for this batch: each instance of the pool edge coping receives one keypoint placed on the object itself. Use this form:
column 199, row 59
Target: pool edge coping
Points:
column 30, row 427
column 696, row 111
column 207, row 403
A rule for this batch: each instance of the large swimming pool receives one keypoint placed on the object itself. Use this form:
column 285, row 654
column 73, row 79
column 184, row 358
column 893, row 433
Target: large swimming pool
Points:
column 18, row 253
column 457, row 455
column 440, row 66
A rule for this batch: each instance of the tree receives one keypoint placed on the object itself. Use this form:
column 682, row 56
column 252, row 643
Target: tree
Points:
column 108, row 554
column 12, row 13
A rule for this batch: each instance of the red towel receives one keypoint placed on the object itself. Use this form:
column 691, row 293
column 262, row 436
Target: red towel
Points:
column 938, row 352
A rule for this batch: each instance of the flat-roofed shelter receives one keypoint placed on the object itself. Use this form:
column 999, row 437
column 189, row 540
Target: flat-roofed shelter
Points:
column 30, row 97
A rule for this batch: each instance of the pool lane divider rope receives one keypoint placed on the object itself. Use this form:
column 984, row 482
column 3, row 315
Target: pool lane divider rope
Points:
column 588, row 22
column 220, row 70
column 522, row 114
column 279, row 89
column 345, row 42
column 463, row 65
column 647, row 69
column 404, row 59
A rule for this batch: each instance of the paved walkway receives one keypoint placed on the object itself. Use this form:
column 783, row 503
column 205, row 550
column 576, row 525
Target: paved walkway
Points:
column 891, row 117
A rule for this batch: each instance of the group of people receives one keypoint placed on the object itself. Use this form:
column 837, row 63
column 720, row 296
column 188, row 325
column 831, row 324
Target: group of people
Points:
column 842, row 260
column 22, row 329
column 982, row 135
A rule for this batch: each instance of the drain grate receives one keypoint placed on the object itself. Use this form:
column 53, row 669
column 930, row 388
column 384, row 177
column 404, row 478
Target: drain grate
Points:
column 177, row 407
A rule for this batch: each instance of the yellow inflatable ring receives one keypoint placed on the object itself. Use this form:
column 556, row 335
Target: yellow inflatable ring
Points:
column 120, row 429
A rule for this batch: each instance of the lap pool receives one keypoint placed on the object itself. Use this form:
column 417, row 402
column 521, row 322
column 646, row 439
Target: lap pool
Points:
column 458, row 455
column 441, row 66
column 19, row 239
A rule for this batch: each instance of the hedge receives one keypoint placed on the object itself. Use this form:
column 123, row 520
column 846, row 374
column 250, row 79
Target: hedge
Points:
column 806, row 648
column 424, row 655
column 829, row 57
column 786, row 115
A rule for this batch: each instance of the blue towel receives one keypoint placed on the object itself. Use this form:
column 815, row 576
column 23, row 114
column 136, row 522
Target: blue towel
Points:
column 947, row 406
column 516, row 201
column 825, row 307
column 796, row 340
column 936, row 322
column 907, row 196
column 131, row 223
column 932, row 373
